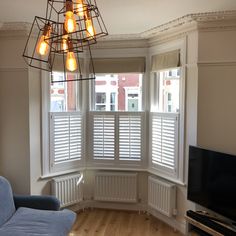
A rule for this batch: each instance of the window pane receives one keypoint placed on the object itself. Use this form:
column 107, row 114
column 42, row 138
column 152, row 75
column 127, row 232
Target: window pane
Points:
column 113, row 98
column 113, row 108
column 118, row 92
column 63, row 96
column 168, row 88
column 101, row 98
column 100, row 107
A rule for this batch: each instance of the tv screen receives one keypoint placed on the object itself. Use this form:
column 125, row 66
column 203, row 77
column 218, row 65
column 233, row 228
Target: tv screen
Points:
column 212, row 180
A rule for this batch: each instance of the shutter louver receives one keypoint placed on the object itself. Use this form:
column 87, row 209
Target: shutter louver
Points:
column 165, row 139
column 66, row 137
column 130, row 135
column 104, row 136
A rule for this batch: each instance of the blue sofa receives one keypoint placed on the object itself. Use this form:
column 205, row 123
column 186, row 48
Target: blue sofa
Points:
column 32, row 215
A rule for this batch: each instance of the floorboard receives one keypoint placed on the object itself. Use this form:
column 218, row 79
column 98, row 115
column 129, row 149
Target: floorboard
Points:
column 99, row 222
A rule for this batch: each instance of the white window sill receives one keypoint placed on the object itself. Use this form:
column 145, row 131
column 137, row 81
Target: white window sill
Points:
column 150, row 171
column 51, row 175
column 117, row 169
column 171, row 179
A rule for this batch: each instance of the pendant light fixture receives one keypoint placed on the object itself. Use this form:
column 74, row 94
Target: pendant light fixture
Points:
column 61, row 41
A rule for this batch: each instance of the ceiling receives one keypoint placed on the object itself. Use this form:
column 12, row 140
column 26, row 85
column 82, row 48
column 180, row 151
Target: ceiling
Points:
column 121, row 16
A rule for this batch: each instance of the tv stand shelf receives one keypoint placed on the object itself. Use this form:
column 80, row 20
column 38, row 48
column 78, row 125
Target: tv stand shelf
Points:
column 204, row 225
column 191, row 222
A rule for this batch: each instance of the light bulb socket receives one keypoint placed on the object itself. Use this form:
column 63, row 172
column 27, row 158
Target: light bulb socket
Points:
column 70, row 45
column 47, row 29
column 69, row 5
column 64, row 31
column 87, row 14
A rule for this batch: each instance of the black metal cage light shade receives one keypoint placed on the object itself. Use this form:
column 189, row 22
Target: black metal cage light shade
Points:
column 61, row 41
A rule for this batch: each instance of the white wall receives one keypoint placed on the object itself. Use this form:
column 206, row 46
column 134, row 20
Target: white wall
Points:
column 20, row 126
column 14, row 127
column 216, row 93
column 37, row 186
column 14, row 118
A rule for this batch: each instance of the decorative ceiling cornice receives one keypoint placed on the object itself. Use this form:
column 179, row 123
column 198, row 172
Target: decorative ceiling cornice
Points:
column 14, row 26
column 193, row 19
column 122, row 41
column 120, row 37
column 201, row 21
column 214, row 16
column 14, row 29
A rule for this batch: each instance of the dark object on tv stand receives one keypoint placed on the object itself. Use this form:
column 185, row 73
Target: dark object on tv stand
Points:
column 211, row 223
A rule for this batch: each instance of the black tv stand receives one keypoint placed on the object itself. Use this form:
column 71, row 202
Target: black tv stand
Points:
column 214, row 218
column 205, row 224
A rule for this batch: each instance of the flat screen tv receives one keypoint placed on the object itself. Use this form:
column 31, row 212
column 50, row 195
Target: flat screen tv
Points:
column 212, row 181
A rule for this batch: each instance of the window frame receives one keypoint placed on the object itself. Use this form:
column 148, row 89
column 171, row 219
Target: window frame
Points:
column 70, row 166
column 100, row 104
column 116, row 163
column 86, row 103
column 181, row 45
column 177, row 175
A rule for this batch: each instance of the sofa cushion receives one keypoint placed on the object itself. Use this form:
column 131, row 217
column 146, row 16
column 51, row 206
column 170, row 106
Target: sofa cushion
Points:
column 32, row 222
column 7, row 207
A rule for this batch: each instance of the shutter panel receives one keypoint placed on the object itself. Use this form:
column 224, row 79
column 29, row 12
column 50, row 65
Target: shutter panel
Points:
column 117, row 135
column 165, row 139
column 66, row 136
column 104, row 136
column 130, row 136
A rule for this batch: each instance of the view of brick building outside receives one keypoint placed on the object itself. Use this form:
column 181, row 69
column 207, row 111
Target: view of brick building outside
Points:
column 119, row 92
column 116, row 92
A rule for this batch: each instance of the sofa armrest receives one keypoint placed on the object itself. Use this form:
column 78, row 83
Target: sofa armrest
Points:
column 37, row 202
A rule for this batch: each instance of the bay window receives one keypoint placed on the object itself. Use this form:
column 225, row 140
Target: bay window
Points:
column 62, row 144
column 166, row 116
column 117, row 122
column 165, row 122
column 115, row 130
column 117, row 119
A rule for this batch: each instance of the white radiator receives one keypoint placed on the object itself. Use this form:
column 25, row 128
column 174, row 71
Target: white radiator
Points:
column 68, row 189
column 162, row 196
column 116, row 187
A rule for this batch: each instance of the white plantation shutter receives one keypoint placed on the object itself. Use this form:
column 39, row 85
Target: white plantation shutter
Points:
column 130, row 137
column 104, row 136
column 164, row 145
column 117, row 136
column 65, row 137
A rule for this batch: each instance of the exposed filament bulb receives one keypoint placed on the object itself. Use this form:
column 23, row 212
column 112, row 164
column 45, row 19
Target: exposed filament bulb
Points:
column 43, row 46
column 70, row 22
column 71, row 63
column 90, row 31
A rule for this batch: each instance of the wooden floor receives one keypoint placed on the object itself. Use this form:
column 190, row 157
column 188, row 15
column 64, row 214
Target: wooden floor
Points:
column 119, row 223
